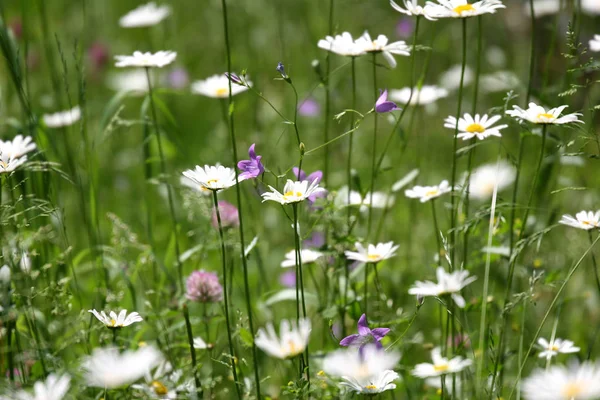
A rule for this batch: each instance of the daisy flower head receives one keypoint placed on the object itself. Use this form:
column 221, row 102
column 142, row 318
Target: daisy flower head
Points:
column 292, row 340
column 461, row 8
column 381, row 45
column 17, row 147
column 426, row 193
column 145, row 15
column 428, row 94
column 199, row 343
column 372, row 253
column 164, row 383
column 213, row 178
column 146, row 60
column 307, row 256
column 55, row 387
column 440, row 365
column 217, row 86
column 559, row 382
column 486, row 177
column 583, row 220
column 552, row 348
column 62, row 118
column 595, row 43
column 448, row 284
column 539, row 115
column 412, row 7
column 479, row 127
column 293, row 192
column 9, row 164
column 116, row 321
column 343, row 45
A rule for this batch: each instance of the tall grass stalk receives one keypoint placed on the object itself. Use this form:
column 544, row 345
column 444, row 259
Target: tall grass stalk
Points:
column 374, row 146
column 327, row 116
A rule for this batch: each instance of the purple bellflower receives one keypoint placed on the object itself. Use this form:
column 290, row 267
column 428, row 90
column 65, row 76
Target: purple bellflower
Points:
column 251, row 168
column 365, row 335
column 383, row 105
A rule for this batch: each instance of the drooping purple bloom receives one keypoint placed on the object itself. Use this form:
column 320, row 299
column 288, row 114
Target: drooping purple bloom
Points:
column 365, row 335
column 234, row 78
column 315, row 176
column 288, row 279
column 251, row 168
column 281, row 69
column 383, row 105
column 309, row 108
column 229, row 215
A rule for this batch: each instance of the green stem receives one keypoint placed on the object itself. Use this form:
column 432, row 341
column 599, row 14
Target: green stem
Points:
column 531, row 54
column 301, row 279
column 190, row 337
column 327, row 95
column 437, row 233
column 594, row 265
column 350, row 142
column 374, row 145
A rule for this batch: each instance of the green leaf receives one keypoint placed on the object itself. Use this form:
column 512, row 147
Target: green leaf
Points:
column 246, row 337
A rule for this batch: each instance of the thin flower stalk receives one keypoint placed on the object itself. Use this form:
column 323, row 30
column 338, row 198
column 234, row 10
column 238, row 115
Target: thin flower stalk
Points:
column 300, row 281
column 350, row 141
column 374, row 145
column 326, row 121
column 190, row 335
column 437, row 233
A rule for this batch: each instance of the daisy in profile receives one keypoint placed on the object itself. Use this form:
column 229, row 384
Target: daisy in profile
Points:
column 343, row 45
column 441, row 365
column 380, row 199
column 552, row 348
column 539, row 115
column 293, row 192
column 448, row 284
column 145, row 15
column 146, row 60
column 486, row 177
column 307, row 256
column 428, row 94
column 217, row 86
column 55, row 387
column 575, row 382
column 114, row 321
column 412, row 7
column 164, row 383
column 595, row 43
column 426, row 193
column 107, row 368
column 292, row 339
column 213, row 178
column 200, row 344
column 372, row 253
column 479, row 127
column 134, row 81
column 381, row 45
column 9, row 164
column 586, row 220
column 17, row 147
column 62, row 118
column 461, row 8
column 369, row 371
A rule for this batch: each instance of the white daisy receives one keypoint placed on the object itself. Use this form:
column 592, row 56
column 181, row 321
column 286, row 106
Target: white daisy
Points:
column 452, row 384
column 343, row 44
column 217, row 86
column 479, row 127
column 9, row 164
column 450, row 79
column 190, row 183
column 373, row 253
column 146, row 60
column 539, row 115
column 380, row 199
column 62, row 118
column 412, row 7
column 441, row 365
column 427, row 95
column 293, row 192
column 551, row 349
column 590, row 6
column 213, row 178
column 145, row 15
column 307, row 256
column 199, row 343
column 381, row 45
column 595, row 43
column 292, row 339
column 375, row 384
column 575, row 382
column 583, row 220
column 426, row 193
column 541, row 8
column 461, row 8
column 133, row 81
column 107, row 368
column 112, row 320
column 486, row 177
column 164, row 383
column 55, row 387
column 448, row 284
column 17, row 147
column 500, row 81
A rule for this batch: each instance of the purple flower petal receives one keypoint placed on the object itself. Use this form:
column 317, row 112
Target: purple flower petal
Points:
column 348, row 340
column 251, row 168
column 363, row 326
column 301, row 176
column 383, row 105
column 379, row 333
column 314, row 176
column 251, row 151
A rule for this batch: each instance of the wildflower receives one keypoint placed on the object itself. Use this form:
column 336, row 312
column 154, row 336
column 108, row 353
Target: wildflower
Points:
column 365, row 335
column 343, row 44
column 381, row 45
column 9, row 164
column 575, row 382
column 306, row 255
column 426, row 193
column 500, row 81
column 164, row 383
column 595, row 43
column 412, row 7
column 368, row 372
column 539, row 115
column 373, row 253
column 5, row 275
column 99, row 55
column 440, row 366
column 426, row 95
column 62, row 118
column 213, row 178
column 107, row 368
column 288, row 279
column 452, row 384
column 541, row 8
column 551, row 349
column 383, row 105
column 461, row 8
column 134, row 81
column 309, row 108
column 115, row 321
column 583, row 220
column 229, row 215
column 145, row 15
column 293, row 192
column 217, row 86
column 146, row 60
column 379, row 199
column 447, row 284
column 178, row 78
column 451, row 78
column 292, row 340
column 204, row 286
column 486, row 177
column 199, row 343
column 405, row 27
column 55, row 387
column 479, row 127
column 251, row 168
column 312, row 177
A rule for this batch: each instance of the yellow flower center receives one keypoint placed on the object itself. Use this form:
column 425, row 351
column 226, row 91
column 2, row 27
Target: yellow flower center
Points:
column 294, row 350
column 4, row 164
column 112, row 322
column 373, row 257
column 463, row 8
column 545, row 115
column 211, row 181
column 371, row 387
column 554, row 347
column 571, row 390
column 431, row 192
column 291, row 193
column 221, row 92
column 159, row 388
column 441, row 367
column 475, row 128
